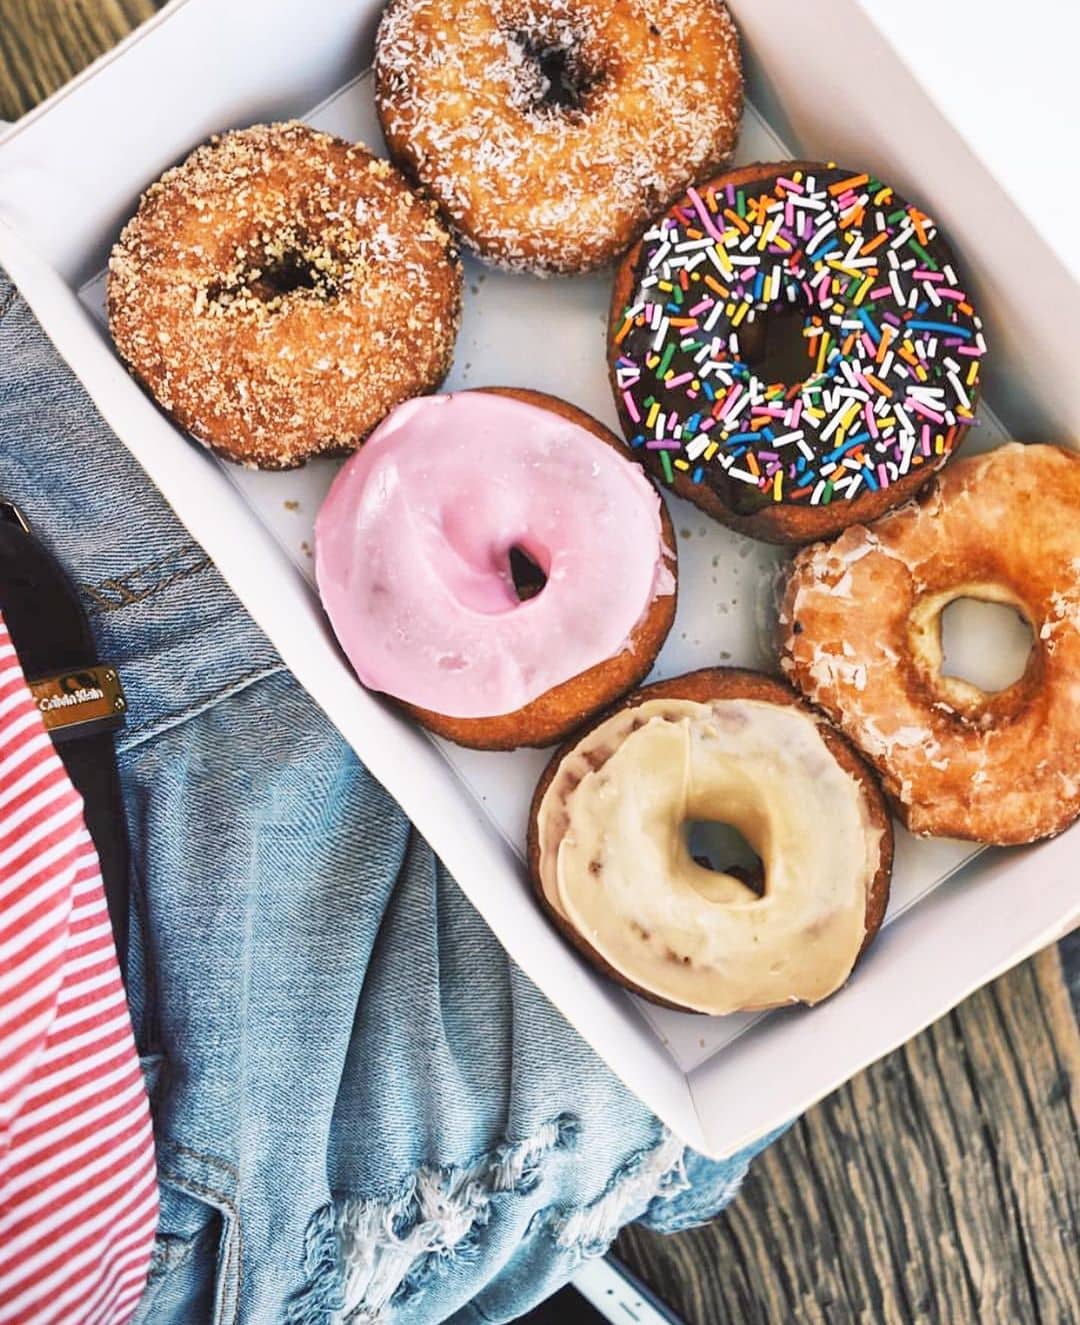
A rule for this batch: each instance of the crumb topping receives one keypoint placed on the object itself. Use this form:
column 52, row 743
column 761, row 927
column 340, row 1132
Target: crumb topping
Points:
column 281, row 290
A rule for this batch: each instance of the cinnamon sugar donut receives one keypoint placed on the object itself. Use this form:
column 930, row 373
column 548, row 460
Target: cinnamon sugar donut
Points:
column 611, row 864
column 861, row 638
column 493, row 562
column 280, row 291
column 551, row 130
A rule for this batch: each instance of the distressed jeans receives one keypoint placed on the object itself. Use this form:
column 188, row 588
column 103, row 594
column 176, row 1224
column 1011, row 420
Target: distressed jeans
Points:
column 363, row 1111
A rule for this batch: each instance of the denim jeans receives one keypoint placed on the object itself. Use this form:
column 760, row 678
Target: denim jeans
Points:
column 363, row 1111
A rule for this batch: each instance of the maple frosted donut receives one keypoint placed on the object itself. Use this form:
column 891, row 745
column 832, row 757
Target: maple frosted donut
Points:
column 492, row 561
column 610, row 858
column 792, row 349
column 280, row 291
column 861, row 638
column 551, row 130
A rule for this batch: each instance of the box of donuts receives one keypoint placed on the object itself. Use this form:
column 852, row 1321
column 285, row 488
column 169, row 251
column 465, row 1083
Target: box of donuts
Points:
column 645, row 428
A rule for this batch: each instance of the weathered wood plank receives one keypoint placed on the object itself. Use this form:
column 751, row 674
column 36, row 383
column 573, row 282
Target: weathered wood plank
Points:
column 941, row 1185
column 43, row 43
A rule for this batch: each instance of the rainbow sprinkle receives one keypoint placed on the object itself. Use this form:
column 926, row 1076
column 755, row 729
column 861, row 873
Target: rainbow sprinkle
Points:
column 893, row 345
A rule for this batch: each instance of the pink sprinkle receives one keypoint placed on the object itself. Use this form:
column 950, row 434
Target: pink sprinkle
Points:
column 870, row 348
column 789, row 184
column 729, row 404
column 793, row 422
column 881, row 291
column 924, row 443
column 678, row 381
column 972, row 351
column 663, row 444
column 703, row 213
column 631, row 408
column 707, row 424
column 925, row 410
column 924, row 274
column 957, row 296
column 871, row 422
column 698, row 308
column 883, row 476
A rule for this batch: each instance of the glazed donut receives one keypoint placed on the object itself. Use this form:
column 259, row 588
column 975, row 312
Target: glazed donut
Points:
column 551, row 130
column 280, row 291
column 883, row 349
column 861, row 637
column 415, row 551
column 611, row 864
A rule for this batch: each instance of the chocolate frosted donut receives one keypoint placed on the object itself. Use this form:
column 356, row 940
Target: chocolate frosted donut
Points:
column 551, row 130
column 861, row 638
column 611, row 863
column 792, row 349
column 280, row 291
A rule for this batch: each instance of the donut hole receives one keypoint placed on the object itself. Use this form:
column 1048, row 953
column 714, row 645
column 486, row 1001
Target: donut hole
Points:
column 973, row 644
column 556, row 79
column 986, row 644
column 528, row 575
column 282, row 272
column 775, row 345
column 723, row 849
column 292, row 271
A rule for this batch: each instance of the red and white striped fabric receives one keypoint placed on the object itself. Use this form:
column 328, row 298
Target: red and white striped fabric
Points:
column 78, row 1196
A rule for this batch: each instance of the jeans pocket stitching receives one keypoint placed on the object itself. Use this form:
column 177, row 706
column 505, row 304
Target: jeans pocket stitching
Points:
column 133, row 737
column 234, row 1237
column 230, row 1170
column 162, row 1264
column 124, row 589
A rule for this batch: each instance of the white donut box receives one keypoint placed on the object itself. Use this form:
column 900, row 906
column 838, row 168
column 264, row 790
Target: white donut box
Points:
column 899, row 89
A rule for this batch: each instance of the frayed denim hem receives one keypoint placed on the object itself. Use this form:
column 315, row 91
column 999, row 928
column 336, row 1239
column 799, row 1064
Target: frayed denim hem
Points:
column 362, row 1255
column 659, row 1172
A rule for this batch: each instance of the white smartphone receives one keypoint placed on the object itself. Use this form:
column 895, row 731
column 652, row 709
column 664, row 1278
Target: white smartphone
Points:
column 603, row 1291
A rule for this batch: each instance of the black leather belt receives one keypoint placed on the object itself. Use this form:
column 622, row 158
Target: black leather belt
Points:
column 79, row 697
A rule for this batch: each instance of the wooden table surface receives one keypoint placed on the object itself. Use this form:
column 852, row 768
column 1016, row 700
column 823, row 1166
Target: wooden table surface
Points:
column 941, row 1185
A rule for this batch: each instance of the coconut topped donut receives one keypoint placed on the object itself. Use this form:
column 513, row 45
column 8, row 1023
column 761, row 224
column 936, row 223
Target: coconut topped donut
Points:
column 793, row 349
column 280, row 291
column 551, row 130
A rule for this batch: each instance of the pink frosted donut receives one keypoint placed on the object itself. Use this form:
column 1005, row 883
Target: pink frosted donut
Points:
column 419, row 539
